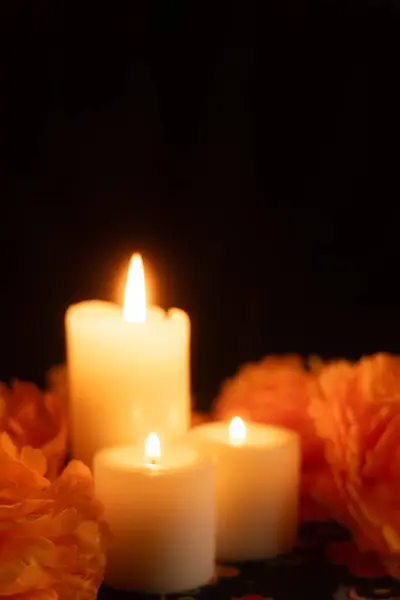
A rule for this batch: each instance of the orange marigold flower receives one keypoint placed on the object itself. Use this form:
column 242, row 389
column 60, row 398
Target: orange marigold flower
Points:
column 277, row 391
column 37, row 419
column 357, row 414
column 52, row 536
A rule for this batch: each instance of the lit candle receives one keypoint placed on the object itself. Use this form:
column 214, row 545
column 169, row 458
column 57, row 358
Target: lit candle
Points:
column 160, row 505
column 124, row 364
column 257, row 487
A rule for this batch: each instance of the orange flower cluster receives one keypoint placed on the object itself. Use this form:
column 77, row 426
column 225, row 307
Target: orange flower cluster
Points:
column 277, row 391
column 52, row 536
column 37, row 419
column 357, row 413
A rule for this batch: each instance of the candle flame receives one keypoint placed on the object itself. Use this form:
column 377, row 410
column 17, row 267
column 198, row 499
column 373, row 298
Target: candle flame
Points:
column 135, row 292
column 237, row 430
column 152, row 448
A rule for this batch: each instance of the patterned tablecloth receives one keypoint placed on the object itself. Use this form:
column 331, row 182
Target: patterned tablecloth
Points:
column 304, row 574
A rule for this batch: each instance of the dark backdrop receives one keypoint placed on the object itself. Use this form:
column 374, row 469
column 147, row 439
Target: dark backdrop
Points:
column 250, row 150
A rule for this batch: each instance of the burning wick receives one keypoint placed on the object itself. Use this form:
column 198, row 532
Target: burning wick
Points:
column 152, row 449
column 237, row 431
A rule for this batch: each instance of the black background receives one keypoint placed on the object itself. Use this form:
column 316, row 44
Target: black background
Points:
column 249, row 150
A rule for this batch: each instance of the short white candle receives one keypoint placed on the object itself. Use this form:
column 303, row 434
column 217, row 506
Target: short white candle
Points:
column 257, row 487
column 161, row 510
column 128, row 370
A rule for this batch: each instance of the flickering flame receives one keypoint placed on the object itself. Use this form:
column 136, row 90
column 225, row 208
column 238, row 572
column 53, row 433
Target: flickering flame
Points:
column 135, row 292
column 152, row 448
column 237, row 430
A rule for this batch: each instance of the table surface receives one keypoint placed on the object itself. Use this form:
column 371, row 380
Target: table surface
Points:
column 304, row 574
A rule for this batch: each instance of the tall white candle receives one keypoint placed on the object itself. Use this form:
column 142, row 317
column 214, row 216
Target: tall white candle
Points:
column 257, row 487
column 128, row 370
column 161, row 511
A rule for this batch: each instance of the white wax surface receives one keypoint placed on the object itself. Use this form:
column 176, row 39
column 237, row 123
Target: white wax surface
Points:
column 126, row 379
column 162, row 518
column 257, row 489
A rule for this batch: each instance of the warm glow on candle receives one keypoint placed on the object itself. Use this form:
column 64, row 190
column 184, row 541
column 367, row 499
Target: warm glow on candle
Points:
column 152, row 448
column 237, row 430
column 135, row 292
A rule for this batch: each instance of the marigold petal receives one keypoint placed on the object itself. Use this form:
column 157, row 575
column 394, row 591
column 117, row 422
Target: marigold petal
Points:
column 392, row 538
column 37, row 595
column 357, row 414
column 34, row 460
column 13, row 512
column 53, row 540
column 37, row 419
column 18, row 578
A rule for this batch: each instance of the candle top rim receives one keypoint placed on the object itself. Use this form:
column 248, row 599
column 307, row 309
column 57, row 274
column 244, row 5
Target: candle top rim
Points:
column 103, row 309
column 258, row 435
column 131, row 458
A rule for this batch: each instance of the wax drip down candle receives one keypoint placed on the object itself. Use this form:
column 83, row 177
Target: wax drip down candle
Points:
column 124, row 364
column 257, row 487
column 160, row 505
